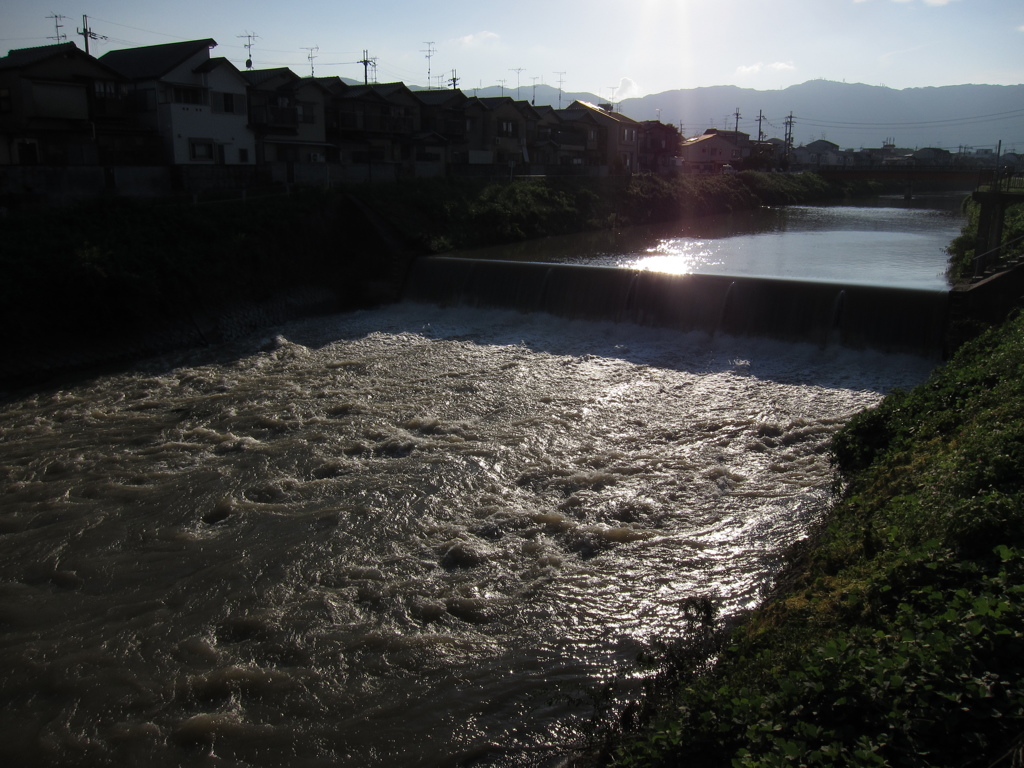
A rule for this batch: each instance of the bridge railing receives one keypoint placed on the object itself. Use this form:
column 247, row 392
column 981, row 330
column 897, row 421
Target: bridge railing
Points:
column 1000, row 258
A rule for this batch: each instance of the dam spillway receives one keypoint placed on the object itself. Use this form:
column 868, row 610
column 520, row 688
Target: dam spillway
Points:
column 857, row 316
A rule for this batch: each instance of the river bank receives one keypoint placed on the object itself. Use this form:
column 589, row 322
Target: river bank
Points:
column 895, row 636
column 115, row 280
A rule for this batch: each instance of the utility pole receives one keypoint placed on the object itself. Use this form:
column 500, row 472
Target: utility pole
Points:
column 88, row 34
column 789, row 135
column 249, row 38
column 366, row 61
column 760, row 118
column 454, row 80
column 737, row 116
column 561, row 75
column 430, row 51
column 58, row 35
column 312, row 50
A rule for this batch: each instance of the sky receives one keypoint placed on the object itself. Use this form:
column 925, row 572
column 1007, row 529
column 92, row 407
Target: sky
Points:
column 615, row 49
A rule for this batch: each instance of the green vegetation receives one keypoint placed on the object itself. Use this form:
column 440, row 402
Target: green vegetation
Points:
column 445, row 214
column 962, row 250
column 897, row 637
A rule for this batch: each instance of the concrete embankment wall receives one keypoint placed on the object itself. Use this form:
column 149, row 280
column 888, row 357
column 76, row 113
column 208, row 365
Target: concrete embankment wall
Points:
column 857, row 316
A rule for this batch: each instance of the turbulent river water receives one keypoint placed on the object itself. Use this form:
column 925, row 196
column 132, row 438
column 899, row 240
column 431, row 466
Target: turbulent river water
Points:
column 411, row 536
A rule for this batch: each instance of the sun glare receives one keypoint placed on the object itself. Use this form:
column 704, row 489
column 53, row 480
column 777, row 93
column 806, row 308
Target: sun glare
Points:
column 677, row 256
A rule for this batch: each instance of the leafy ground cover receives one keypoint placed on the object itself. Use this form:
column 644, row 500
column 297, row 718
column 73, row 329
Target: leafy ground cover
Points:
column 897, row 637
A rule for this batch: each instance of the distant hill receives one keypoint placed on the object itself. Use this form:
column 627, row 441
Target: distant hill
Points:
column 850, row 114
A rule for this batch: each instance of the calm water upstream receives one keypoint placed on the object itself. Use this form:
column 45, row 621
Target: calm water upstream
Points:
column 413, row 536
column 891, row 242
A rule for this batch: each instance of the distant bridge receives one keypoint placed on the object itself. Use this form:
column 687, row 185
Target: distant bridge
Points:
column 965, row 178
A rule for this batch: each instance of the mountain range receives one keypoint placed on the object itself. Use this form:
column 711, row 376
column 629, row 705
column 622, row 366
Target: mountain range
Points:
column 852, row 115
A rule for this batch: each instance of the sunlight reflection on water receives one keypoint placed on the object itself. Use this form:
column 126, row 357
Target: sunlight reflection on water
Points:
column 677, row 256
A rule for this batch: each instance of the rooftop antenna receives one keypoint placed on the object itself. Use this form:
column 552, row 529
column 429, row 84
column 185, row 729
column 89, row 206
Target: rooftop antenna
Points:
column 533, row 100
column 88, row 34
column 249, row 38
column 430, row 51
column 502, row 84
column 312, row 50
column 560, row 81
column 58, row 35
column 454, row 80
column 517, row 70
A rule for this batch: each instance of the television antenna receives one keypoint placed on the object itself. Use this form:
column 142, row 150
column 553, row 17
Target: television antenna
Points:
column 249, row 38
column 310, row 56
column 58, row 35
column 430, row 51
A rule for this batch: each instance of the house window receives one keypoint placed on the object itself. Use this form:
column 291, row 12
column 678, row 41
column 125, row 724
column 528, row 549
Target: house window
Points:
column 228, row 103
column 200, row 149
column 181, row 94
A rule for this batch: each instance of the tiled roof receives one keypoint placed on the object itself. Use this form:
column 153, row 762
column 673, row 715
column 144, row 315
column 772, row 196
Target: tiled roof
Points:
column 24, row 56
column 153, row 61
column 259, row 76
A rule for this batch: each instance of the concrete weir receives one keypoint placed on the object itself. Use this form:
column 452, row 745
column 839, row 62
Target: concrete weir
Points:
column 850, row 315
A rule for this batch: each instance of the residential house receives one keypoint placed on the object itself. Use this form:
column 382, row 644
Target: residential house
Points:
column 659, row 147
column 559, row 145
column 819, row 154
column 443, row 114
column 715, row 149
column 496, row 131
column 288, row 115
column 60, row 106
column 932, row 156
column 613, row 139
column 378, row 124
column 197, row 104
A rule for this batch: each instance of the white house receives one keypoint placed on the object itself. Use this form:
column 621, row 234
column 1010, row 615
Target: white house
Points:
column 196, row 103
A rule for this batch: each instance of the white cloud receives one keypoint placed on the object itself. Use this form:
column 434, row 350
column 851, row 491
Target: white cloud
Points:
column 627, row 89
column 756, row 69
column 478, row 39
